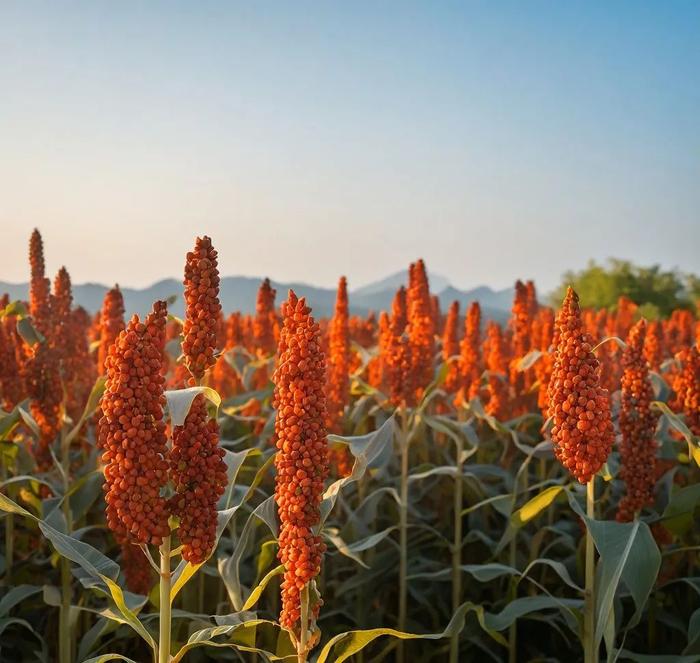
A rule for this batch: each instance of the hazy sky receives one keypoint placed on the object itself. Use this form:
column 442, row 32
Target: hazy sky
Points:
column 494, row 139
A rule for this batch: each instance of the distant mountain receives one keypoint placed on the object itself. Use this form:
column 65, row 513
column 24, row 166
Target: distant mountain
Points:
column 393, row 282
column 238, row 293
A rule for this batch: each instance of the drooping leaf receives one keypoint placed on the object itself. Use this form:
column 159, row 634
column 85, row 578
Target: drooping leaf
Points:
column 180, row 400
column 535, row 506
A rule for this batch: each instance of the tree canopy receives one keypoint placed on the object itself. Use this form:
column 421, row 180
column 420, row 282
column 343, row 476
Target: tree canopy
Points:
column 655, row 290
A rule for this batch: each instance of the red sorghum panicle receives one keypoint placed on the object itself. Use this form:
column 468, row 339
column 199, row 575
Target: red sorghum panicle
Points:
column 679, row 330
column 437, row 314
column 11, row 382
column 582, row 430
column 338, row 387
column 398, row 367
column 302, row 459
column 111, row 324
column 421, row 329
column 399, row 315
column 520, row 321
column 624, row 318
column 69, row 339
column 471, row 364
column 198, row 475
column 132, row 431
column 39, row 285
column 202, row 307
column 654, row 345
column 637, row 424
column 543, row 330
column 498, row 391
column 532, row 303
column 338, row 384
column 363, row 330
column 138, row 572
column 687, row 387
column 265, row 319
column 450, row 348
column 42, row 377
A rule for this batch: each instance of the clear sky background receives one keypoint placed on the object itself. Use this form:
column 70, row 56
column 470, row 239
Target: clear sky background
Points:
column 496, row 140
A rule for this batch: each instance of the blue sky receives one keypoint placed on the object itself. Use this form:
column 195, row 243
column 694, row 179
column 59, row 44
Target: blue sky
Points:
column 496, row 140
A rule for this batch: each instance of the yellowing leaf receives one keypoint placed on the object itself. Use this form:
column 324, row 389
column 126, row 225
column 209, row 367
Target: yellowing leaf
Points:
column 535, row 506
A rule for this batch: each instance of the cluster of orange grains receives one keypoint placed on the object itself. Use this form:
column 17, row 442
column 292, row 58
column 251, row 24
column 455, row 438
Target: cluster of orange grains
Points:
column 421, row 327
column 637, row 424
column 198, row 475
column 654, row 345
column 69, row 337
column 582, row 430
column 42, row 371
column 39, row 285
column 132, row 431
column 520, row 324
column 687, row 387
column 138, row 572
column 450, row 348
column 470, row 357
column 302, row 457
column 265, row 320
column 202, row 306
column 543, row 340
column 399, row 373
column 338, row 383
column 497, row 391
column 111, row 324
column 11, row 357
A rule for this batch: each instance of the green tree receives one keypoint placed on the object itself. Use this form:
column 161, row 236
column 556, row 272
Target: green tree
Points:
column 656, row 290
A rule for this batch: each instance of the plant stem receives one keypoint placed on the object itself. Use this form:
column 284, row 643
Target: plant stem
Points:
column 513, row 629
column 589, row 648
column 403, row 529
column 9, row 532
column 165, row 612
column 457, row 548
column 64, row 630
column 9, row 546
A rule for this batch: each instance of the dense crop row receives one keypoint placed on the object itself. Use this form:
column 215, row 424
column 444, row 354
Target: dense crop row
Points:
column 408, row 486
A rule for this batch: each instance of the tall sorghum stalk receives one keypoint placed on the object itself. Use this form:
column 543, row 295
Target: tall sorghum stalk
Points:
column 165, row 617
column 582, row 430
column 590, row 653
column 65, row 638
column 457, row 541
column 403, row 526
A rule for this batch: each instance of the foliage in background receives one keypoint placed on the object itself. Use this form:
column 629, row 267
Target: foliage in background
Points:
column 658, row 291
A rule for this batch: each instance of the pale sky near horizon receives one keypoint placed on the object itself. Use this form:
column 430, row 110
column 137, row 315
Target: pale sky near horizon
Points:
column 495, row 140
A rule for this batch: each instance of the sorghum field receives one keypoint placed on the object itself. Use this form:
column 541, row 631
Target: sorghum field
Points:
column 414, row 486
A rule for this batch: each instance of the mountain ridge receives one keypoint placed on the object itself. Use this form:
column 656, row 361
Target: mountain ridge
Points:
column 239, row 293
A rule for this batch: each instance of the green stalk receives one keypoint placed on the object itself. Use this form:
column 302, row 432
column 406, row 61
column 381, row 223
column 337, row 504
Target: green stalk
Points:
column 9, row 533
column 9, row 546
column 513, row 629
column 589, row 648
column 64, row 631
column 403, row 530
column 165, row 611
column 457, row 549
